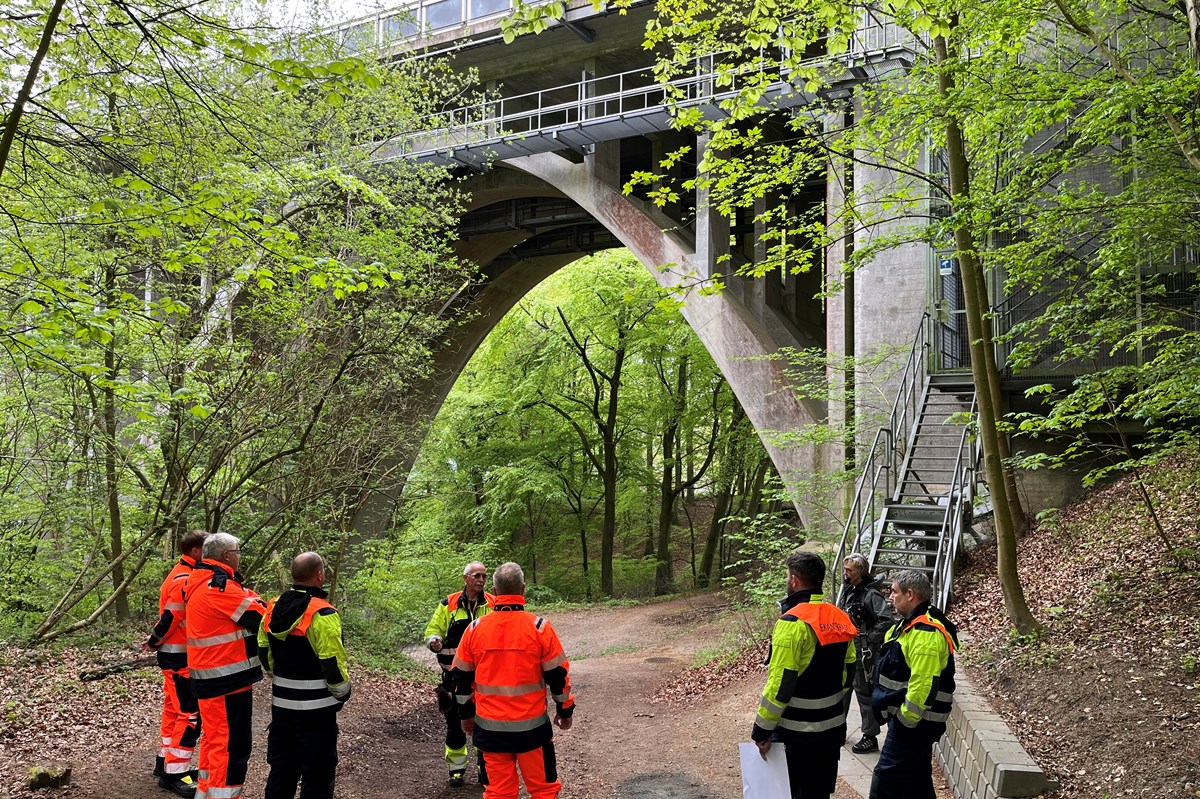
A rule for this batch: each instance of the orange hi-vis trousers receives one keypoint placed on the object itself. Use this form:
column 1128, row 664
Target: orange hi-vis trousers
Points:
column 180, row 726
column 538, row 769
column 225, row 747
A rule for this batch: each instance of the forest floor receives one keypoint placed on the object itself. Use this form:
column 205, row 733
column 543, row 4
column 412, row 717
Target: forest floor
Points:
column 1107, row 697
column 646, row 727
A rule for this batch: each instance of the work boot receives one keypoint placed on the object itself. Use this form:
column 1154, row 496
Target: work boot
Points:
column 179, row 784
column 867, row 744
column 457, row 778
column 158, row 766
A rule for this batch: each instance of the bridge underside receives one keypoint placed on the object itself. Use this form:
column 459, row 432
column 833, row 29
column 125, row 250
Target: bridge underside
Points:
column 530, row 216
column 544, row 159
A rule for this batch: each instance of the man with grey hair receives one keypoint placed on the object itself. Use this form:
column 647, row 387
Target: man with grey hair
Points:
column 914, row 690
column 223, row 617
column 862, row 599
column 505, row 662
column 442, row 634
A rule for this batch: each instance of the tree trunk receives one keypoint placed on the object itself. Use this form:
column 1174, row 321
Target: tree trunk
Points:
column 111, row 484
column 1019, row 519
column 986, row 379
column 13, row 118
column 609, row 438
column 713, row 542
column 669, row 486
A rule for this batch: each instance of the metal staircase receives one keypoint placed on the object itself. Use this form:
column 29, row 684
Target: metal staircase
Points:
column 916, row 493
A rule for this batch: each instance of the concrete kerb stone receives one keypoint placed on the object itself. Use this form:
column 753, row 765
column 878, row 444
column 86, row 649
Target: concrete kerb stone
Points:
column 1022, row 780
column 980, row 755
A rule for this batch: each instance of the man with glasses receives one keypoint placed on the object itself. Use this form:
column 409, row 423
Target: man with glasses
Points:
column 450, row 619
column 223, row 617
column 914, row 690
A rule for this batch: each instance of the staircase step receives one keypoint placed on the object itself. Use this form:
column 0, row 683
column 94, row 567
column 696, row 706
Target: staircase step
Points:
column 939, row 446
column 921, row 553
column 914, row 514
column 903, row 538
column 947, row 381
column 880, row 565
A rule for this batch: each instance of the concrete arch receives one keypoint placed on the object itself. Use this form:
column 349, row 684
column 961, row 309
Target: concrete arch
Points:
column 735, row 335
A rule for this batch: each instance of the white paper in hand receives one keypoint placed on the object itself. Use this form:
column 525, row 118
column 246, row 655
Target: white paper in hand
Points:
column 764, row 779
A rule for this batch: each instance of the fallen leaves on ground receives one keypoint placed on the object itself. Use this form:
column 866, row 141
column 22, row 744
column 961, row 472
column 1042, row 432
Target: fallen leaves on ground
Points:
column 713, row 675
column 1105, row 698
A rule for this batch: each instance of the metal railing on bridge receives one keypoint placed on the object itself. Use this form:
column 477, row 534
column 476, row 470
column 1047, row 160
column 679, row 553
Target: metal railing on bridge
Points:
column 631, row 103
column 404, row 26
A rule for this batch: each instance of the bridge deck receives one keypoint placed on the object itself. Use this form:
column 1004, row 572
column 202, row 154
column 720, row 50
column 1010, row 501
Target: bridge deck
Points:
column 617, row 106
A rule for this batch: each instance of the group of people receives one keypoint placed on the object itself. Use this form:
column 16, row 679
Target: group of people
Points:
column 215, row 638
column 901, row 671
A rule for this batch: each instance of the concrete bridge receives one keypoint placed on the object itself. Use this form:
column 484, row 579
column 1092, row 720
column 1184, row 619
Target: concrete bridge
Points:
column 571, row 115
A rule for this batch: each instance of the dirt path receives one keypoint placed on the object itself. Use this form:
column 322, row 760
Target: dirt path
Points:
column 622, row 746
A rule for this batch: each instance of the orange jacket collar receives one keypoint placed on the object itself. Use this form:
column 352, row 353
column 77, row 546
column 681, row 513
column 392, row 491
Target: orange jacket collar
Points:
column 215, row 564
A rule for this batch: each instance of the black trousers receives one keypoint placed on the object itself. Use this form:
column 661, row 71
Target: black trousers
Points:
column 302, row 749
column 863, row 686
column 905, row 767
column 812, row 765
column 455, row 737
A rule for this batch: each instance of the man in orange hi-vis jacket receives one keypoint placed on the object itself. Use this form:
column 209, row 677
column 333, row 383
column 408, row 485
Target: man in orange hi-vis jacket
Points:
column 180, row 725
column 223, row 617
column 505, row 662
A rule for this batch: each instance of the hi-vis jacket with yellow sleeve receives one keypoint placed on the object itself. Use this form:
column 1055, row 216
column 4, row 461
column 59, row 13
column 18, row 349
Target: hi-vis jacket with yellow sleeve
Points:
column 300, row 644
column 915, row 681
column 450, row 620
column 810, row 670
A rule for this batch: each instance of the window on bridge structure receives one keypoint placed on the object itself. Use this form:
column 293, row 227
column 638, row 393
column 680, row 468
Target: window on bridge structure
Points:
column 401, row 26
column 443, row 14
column 486, row 8
column 360, row 37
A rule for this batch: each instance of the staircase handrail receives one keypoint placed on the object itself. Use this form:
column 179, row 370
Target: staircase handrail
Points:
column 883, row 458
column 958, row 506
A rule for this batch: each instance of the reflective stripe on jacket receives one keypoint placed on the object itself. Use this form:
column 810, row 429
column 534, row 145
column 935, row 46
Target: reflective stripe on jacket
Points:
column 810, row 669
column 222, row 623
column 505, row 662
column 300, row 641
column 915, row 680
column 168, row 637
column 450, row 620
